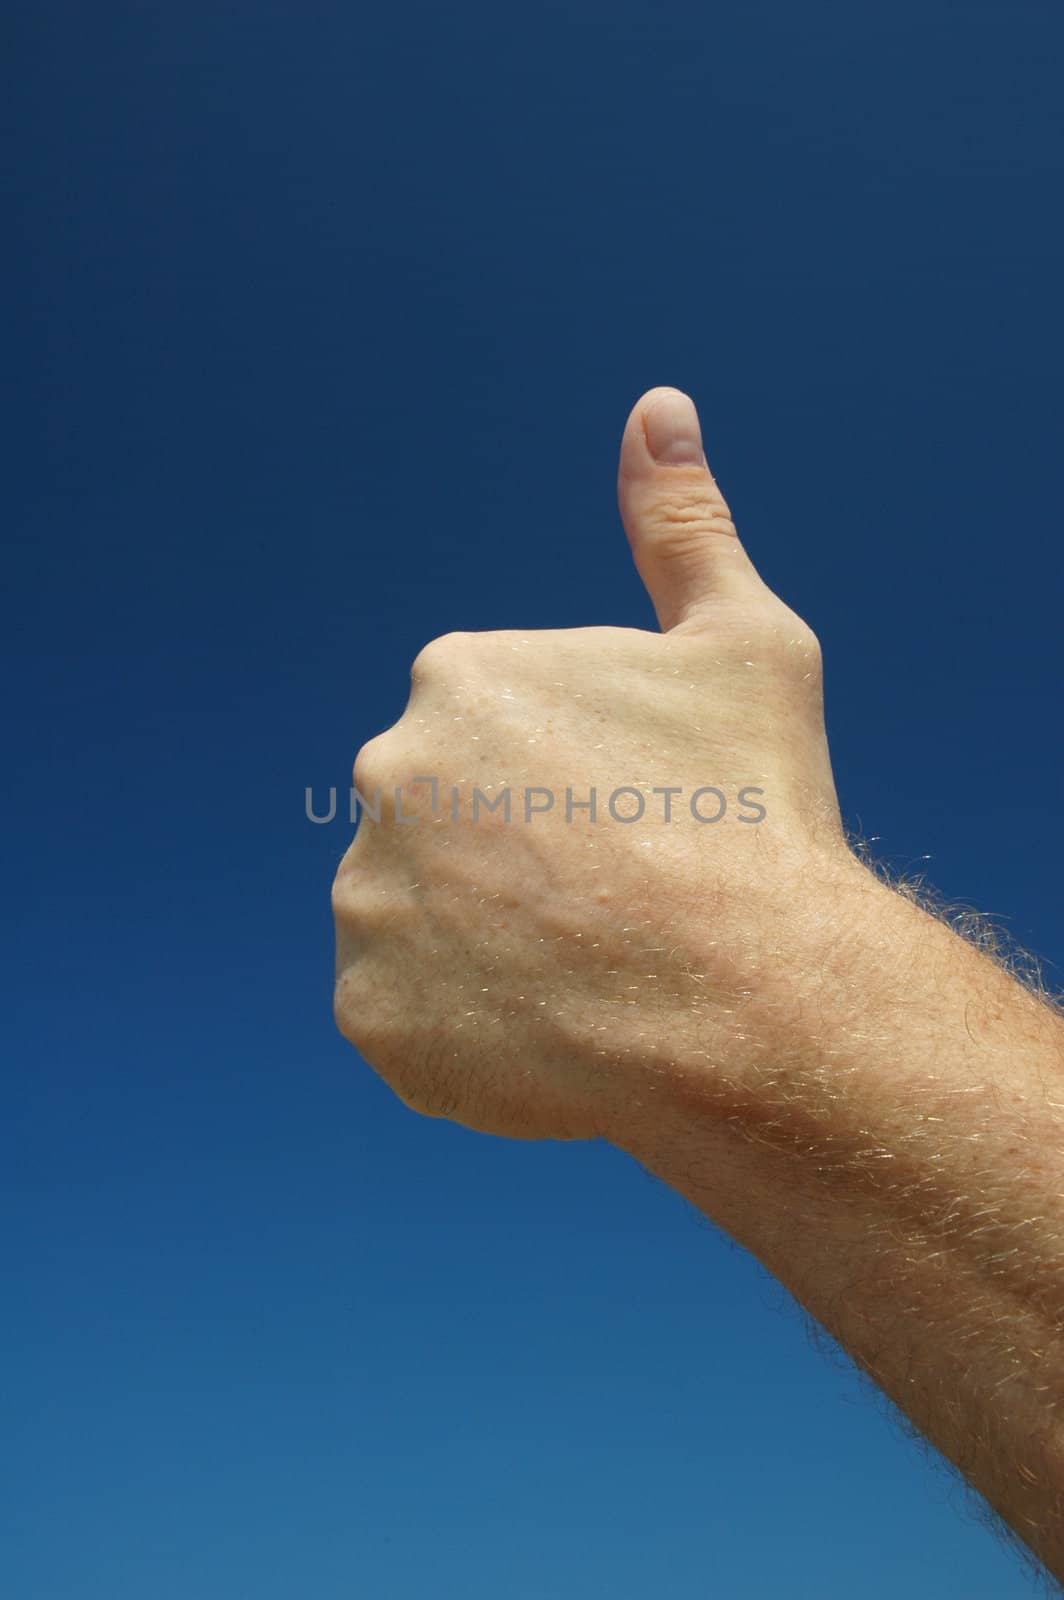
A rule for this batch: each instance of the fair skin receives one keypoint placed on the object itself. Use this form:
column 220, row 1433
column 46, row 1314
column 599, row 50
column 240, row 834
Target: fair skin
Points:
column 859, row 1096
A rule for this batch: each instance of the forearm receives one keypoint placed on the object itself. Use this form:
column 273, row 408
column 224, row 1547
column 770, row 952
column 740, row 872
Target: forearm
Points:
column 887, row 1138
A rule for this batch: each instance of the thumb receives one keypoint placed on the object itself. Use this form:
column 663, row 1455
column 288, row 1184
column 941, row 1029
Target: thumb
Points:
column 678, row 524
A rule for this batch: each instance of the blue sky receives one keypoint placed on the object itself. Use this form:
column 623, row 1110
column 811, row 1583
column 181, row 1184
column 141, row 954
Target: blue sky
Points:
column 327, row 321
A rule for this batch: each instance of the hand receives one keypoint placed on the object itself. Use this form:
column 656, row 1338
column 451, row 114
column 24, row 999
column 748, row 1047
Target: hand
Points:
column 530, row 977
column 848, row 1089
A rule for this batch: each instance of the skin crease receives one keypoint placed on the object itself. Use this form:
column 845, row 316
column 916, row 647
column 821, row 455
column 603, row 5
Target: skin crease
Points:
column 862, row 1098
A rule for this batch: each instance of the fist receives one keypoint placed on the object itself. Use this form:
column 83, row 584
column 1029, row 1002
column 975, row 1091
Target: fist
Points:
column 581, row 850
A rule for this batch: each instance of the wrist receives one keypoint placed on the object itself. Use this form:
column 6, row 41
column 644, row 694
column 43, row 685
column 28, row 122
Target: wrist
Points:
column 758, row 974
column 874, row 1057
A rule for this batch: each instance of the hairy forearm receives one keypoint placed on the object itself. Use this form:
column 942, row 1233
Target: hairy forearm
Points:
column 887, row 1137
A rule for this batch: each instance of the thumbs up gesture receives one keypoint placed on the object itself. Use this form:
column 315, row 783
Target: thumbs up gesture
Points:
column 589, row 859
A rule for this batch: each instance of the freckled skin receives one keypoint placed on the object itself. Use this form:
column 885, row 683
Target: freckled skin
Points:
column 870, row 1104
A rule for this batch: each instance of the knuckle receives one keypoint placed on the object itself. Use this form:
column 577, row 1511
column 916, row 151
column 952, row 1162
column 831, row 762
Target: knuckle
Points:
column 358, row 1013
column 809, row 644
column 348, row 1013
column 348, row 897
column 438, row 657
column 679, row 521
column 380, row 1031
column 339, row 895
column 800, row 640
column 770, row 630
column 371, row 764
column 792, row 640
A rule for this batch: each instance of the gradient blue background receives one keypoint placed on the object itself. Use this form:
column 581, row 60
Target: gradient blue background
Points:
column 326, row 323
